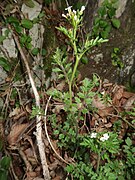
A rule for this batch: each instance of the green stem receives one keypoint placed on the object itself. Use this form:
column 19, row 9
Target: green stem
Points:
column 76, row 63
column 98, row 162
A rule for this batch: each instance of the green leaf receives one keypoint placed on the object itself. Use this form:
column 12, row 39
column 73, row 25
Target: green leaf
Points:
column 2, row 38
column 43, row 52
column 5, row 162
column 128, row 141
column 18, row 28
column 6, row 32
column 29, row 39
column 64, row 30
column 61, row 136
column 133, row 150
column 28, row 45
column 103, row 23
column 97, row 20
column 104, row 34
column 5, row 64
column 84, row 60
column 56, row 132
column 29, row 3
column 41, row 15
column 35, row 51
column 26, row 23
column 56, row 70
column 116, row 50
column 13, row 19
column 23, row 39
column 102, row 11
column 35, row 20
column 61, row 76
column 108, row 28
column 77, row 100
column 111, row 12
column 3, row 174
column 116, row 23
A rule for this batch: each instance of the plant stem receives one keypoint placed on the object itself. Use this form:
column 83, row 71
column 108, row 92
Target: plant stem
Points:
column 77, row 58
column 98, row 162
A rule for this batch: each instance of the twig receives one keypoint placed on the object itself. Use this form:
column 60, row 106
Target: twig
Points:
column 48, row 138
column 41, row 146
column 113, row 115
column 24, row 157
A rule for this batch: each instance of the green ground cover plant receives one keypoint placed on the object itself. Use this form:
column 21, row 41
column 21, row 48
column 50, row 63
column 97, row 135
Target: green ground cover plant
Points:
column 105, row 148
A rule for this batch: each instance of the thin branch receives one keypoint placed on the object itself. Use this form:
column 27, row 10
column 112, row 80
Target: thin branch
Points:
column 41, row 146
column 48, row 138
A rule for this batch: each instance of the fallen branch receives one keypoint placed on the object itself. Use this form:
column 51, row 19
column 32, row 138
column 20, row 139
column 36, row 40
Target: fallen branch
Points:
column 41, row 146
column 46, row 132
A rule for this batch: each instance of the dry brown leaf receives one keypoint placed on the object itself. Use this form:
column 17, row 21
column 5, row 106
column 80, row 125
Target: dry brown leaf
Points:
column 128, row 94
column 108, row 125
column 29, row 152
column 105, row 112
column 113, row 119
column 97, row 103
column 57, row 178
column 118, row 95
column 60, row 86
column 58, row 107
column 129, row 103
column 15, row 111
column 31, row 175
column 15, row 133
column 54, row 165
column 21, row 114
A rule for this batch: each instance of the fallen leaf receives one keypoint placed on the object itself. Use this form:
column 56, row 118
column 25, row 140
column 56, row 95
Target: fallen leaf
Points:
column 56, row 178
column 60, row 86
column 118, row 95
column 104, row 112
column 15, row 111
column 15, row 132
column 127, row 94
column 98, row 103
column 129, row 103
column 57, row 108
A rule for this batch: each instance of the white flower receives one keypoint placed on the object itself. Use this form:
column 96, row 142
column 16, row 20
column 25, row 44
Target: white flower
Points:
column 63, row 15
column 74, row 11
column 93, row 135
column 68, row 9
column 104, row 137
column 75, row 17
column 82, row 8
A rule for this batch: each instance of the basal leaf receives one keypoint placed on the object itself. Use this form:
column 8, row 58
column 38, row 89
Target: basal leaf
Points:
column 116, row 23
column 5, row 162
column 2, row 38
column 29, row 3
column 5, row 64
column 35, row 51
column 12, row 19
column 26, row 23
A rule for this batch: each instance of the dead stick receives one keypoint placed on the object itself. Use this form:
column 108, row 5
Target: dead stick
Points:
column 41, row 146
column 46, row 132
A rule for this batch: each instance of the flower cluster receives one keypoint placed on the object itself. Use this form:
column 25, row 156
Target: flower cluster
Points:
column 103, row 138
column 93, row 135
column 74, row 15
